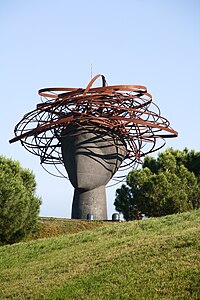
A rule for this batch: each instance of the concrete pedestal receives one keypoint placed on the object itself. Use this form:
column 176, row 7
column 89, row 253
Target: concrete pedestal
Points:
column 91, row 202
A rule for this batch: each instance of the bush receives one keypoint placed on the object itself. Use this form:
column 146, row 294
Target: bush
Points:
column 19, row 204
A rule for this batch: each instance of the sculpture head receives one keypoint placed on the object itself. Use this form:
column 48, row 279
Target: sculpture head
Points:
column 91, row 156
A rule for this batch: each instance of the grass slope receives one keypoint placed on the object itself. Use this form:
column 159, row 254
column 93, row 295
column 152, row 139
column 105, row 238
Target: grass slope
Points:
column 150, row 259
column 49, row 227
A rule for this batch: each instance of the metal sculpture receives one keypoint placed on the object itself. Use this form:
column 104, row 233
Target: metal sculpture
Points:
column 122, row 120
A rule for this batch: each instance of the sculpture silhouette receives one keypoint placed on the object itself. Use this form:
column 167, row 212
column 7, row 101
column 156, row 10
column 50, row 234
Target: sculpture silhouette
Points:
column 93, row 132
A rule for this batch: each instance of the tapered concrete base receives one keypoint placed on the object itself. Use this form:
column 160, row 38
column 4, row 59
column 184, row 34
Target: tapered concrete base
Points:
column 91, row 202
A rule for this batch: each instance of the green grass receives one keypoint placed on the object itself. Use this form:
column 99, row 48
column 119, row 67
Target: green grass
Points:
column 157, row 258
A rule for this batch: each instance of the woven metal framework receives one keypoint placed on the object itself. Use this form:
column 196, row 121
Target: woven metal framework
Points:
column 124, row 110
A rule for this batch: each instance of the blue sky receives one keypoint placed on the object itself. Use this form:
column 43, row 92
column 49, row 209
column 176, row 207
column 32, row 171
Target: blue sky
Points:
column 53, row 43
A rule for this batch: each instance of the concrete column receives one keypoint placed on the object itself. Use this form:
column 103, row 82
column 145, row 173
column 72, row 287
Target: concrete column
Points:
column 91, row 202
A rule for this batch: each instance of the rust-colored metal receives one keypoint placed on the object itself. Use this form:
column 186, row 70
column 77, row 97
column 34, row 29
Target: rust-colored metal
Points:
column 126, row 110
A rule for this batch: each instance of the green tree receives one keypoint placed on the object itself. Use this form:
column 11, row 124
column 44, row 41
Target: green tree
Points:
column 124, row 202
column 19, row 204
column 166, row 185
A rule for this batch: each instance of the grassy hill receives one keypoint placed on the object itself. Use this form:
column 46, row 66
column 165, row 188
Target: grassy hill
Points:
column 157, row 258
column 49, row 227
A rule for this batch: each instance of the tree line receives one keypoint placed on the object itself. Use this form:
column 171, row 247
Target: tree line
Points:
column 168, row 184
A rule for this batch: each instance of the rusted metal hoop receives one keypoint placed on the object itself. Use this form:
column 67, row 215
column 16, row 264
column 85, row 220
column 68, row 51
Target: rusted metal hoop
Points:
column 126, row 110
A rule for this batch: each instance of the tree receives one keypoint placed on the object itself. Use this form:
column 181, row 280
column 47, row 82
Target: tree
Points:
column 166, row 185
column 19, row 204
column 124, row 203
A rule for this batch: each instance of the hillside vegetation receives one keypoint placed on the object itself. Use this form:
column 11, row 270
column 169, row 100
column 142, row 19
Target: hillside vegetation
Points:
column 156, row 258
column 49, row 227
